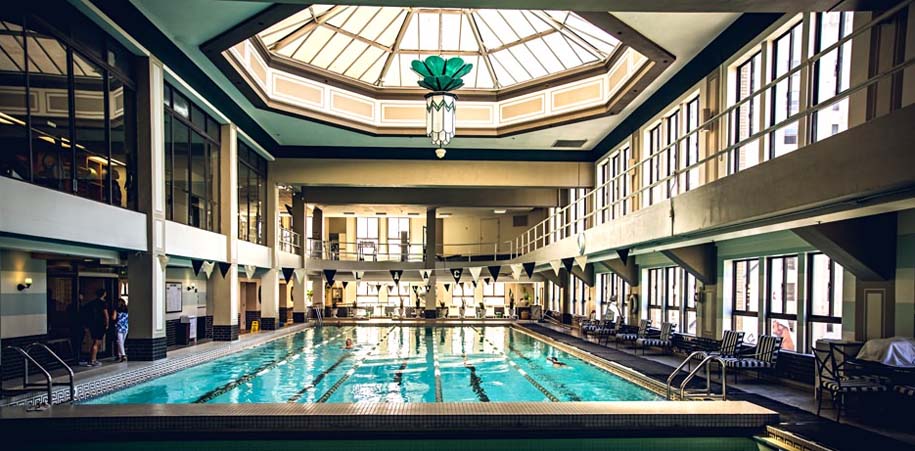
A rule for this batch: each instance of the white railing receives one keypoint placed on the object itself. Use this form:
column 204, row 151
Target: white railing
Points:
column 396, row 251
column 567, row 223
column 290, row 241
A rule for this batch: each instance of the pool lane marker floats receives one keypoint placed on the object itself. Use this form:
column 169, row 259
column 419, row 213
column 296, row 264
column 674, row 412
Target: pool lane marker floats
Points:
column 247, row 377
column 520, row 371
column 317, row 380
column 353, row 369
column 565, row 390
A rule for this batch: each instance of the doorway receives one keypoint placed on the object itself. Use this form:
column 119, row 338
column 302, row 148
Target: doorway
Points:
column 489, row 234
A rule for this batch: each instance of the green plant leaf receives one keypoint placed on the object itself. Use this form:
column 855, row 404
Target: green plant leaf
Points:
column 435, row 64
column 420, row 68
column 453, row 65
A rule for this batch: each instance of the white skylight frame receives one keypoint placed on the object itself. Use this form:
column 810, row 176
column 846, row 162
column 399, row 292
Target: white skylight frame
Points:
column 375, row 45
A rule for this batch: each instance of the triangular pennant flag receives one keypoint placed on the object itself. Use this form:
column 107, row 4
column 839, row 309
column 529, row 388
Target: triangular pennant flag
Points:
column 287, row 273
column 395, row 274
column 486, row 279
column 391, row 289
column 623, row 254
column 456, row 273
column 425, row 274
column 555, row 264
column 529, row 268
column 249, row 270
column 329, row 276
column 358, row 275
column 208, row 268
column 196, row 264
column 581, row 261
column 494, row 272
column 447, row 286
column 475, row 272
column 415, row 289
column 378, row 288
column 224, row 268
column 345, row 283
column 516, row 271
column 474, row 283
column 567, row 263
column 299, row 275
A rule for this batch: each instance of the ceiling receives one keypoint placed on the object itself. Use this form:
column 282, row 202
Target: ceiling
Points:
column 197, row 21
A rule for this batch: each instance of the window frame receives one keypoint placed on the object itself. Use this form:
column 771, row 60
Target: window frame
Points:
column 691, row 146
column 835, row 271
column 792, row 34
column 752, row 105
column 735, row 312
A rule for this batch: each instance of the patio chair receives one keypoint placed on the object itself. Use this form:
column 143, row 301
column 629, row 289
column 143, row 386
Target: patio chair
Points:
column 663, row 341
column 833, row 380
column 905, row 390
column 764, row 356
column 629, row 337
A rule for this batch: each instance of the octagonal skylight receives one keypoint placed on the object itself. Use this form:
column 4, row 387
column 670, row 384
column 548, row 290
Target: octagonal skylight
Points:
column 376, row 44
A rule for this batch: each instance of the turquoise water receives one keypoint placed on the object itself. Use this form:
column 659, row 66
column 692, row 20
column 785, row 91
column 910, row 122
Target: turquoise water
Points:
column 389, row 364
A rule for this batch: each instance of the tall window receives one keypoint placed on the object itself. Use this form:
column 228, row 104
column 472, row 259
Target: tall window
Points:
column 398, row 239
column 745, row 297
column 745, row 118
column 366, row 293
column 689, row 152
column 656, row 165
column 656, row 291
column 77, row 131
column 603, row 192
column 613, row 291
column 555, row 297
column 252, row 194
column 462, row 295
column 824, row 308
column 673, row 294
column 784, row 96
column 191, row 163
column 494, row 294
column 399, row 292
column 619, row 165
column 782, row 299
column 367, row 238
column 671, row 134
column 831, row 73
column 689, row 298
column 577, row 211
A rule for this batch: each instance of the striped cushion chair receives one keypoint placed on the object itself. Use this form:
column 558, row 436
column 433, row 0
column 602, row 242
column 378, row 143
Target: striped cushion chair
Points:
column 663, row 341
column 764, row 356
column 832, row 379
column 644, row 324
column 905, row 390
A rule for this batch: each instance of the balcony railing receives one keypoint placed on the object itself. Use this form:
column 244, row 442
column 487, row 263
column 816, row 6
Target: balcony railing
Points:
column 396, row 251
column 564, row 223
column 290, row 241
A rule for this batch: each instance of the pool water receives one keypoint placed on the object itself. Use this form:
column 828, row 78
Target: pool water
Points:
column 390, row 363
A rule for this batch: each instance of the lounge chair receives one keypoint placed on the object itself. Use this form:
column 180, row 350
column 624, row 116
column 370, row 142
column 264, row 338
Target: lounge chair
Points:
column 630, row 337
column 764, row 356
column 834, row 380
column 663, row 341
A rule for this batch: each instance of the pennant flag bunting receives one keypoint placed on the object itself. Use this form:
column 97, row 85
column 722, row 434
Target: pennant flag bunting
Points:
column 224, row 268
column 249, row 270
column 456, row 272
column 581, row 261
column 529, row 268
column 567, row 263
column 516, row 271
column 425, row 274
column 329, row 276
column 475, row 272
column 208, row 268
column 345, row 283
column 555, row 264
column 486, row 279
column 395, row 274
column 196, row 264
column 299, row 275
column 447, row 286
column 494, row 272
column 623, row 254
column 287, row 273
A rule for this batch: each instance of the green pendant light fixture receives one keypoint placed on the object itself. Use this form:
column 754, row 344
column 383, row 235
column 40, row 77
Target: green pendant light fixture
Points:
column 441, row 76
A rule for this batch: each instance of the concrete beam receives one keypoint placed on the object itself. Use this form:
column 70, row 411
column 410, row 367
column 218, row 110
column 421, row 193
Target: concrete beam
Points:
column 699, row 260
column 629, row 270
column 552, row 277
column 585, row 275
column 441, row 197
column 865, row 246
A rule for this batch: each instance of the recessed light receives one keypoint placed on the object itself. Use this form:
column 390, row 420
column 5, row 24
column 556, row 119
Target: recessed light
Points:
column 499, row 212
column 444, row 214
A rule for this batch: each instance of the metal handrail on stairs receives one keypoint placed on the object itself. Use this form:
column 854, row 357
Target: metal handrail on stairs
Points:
column 49, row 381
column 707, row 394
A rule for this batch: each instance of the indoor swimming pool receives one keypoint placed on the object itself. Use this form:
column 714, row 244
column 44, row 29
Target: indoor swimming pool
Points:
column 390, row 363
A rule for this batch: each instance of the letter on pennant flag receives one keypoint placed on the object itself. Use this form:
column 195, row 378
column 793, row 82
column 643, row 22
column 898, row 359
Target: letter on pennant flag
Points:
column 456, row 272
column 395, row 274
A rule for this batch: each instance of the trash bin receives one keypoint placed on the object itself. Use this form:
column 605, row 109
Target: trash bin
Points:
column 187, row 330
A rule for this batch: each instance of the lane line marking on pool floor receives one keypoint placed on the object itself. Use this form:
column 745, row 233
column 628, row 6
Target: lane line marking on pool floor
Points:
column 520, row 371
column 353, row 369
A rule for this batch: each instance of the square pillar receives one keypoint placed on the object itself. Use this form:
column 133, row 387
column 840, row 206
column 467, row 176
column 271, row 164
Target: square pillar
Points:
column 270, row 299
column 224, row 288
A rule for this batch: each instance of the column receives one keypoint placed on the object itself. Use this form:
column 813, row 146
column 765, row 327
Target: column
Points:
column 146, row 270
column 270, row 281
column 224, row 287
column 299, row 296
column 431, row 245
column 566, row 296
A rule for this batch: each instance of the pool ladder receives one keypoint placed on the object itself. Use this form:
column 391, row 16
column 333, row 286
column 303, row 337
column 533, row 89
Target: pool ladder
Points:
column 707, row 393
column 49, row 383
column 319, row 317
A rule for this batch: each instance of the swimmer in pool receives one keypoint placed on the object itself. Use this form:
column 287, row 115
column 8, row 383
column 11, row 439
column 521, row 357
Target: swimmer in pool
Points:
column 349, row 344
column 556, row 363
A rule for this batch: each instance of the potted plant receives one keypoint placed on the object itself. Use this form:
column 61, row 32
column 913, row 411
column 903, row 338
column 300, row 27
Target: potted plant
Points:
column 481, row 310
column 333, row 308
column 442, row 311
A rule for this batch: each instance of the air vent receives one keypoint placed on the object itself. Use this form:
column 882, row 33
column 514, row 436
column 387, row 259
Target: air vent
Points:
column 380, row 213
column 412, row 213
column 519, row 221
column 349, row 213
column 572, row 143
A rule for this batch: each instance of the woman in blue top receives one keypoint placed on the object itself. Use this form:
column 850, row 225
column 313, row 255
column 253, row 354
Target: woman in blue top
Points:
column 120, row 324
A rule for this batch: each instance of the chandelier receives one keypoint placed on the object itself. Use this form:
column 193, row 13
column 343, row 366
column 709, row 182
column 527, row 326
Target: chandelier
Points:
column 441, row 76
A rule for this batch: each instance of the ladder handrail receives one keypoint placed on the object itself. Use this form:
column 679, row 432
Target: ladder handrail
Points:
column 670, row 379
column 25, row 377
column 53, row 354
column 708, row 379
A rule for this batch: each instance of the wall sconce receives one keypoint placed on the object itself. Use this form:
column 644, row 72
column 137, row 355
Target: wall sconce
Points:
column 27, row 283
column 191, row 288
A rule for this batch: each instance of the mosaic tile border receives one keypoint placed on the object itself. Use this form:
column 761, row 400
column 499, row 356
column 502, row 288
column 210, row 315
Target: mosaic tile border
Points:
column 103, row 384
column 788, row 440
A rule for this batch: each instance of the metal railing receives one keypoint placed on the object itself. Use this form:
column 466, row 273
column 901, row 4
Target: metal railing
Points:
column 49, row 383
column 398, row 251
column 290, row 241
column 566, row 221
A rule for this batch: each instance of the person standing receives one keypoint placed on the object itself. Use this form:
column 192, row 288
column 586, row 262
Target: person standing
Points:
column 96, row 321
column 120, row 326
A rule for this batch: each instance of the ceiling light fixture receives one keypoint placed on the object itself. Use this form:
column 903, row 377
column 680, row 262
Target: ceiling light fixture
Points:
column 441, row 76
column 499, row 212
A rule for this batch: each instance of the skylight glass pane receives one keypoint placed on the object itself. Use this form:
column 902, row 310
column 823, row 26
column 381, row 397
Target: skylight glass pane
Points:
column 451, row 32
column 348, row 56
column 536, row 22
column 530, row 62
column 363, row 62
column 483, row 79
column 516, row 21
column 288, row 50
column 468, row 41
column 589, row 30
column 562, row 49
column 318, row 10
column 374, row 73
column 498, row 26
column 407, row 76
column 586, row 55
column 284, row 27
column 487, row 35
column 360, row 18
column 331, row 50
column 392, row 77
column 428, row 32
column 340, row 18
column 384, row 20
column 389, row 35
column 411, row 36
column 313, row 44
column 513, row 67
column 545, row 55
